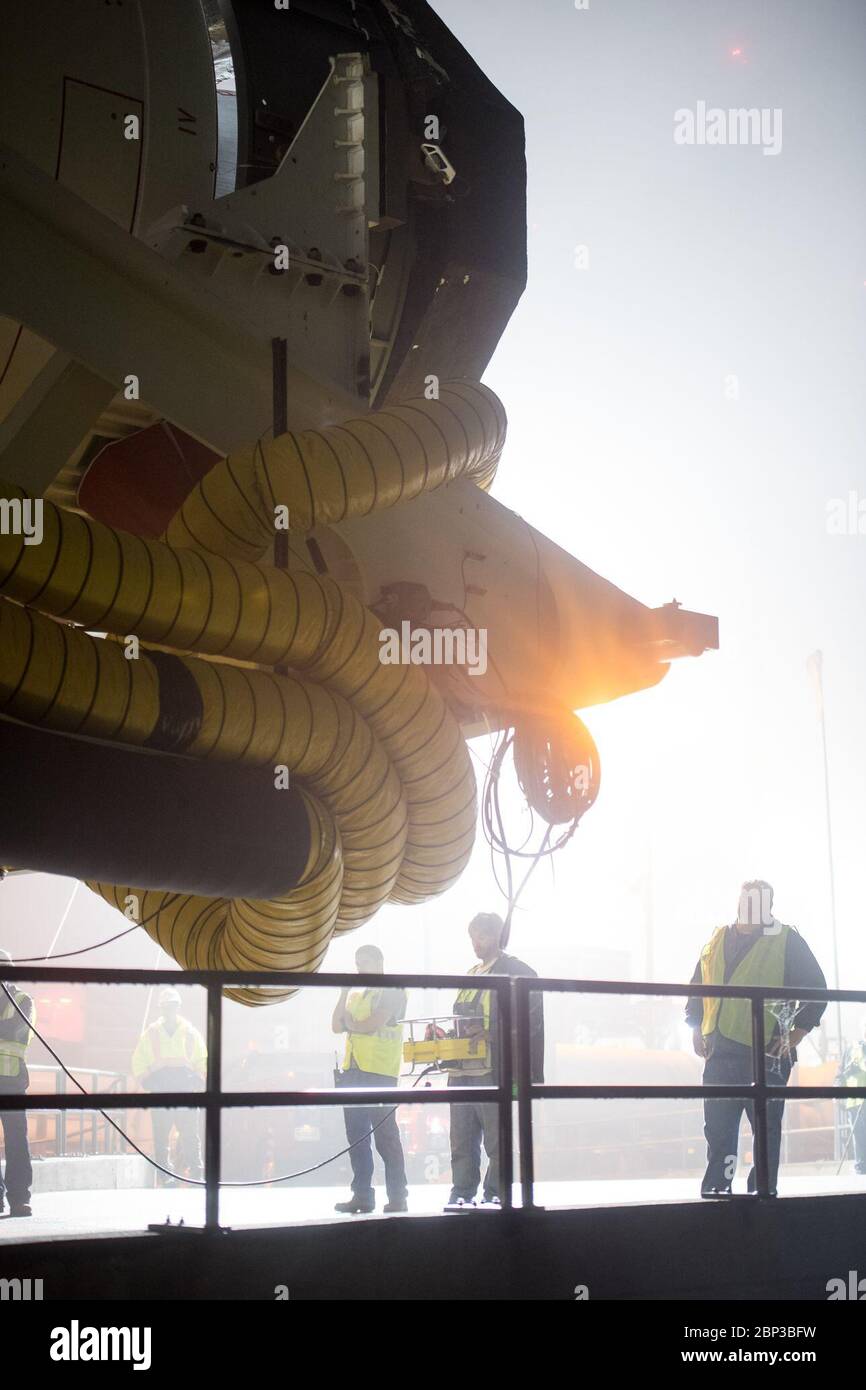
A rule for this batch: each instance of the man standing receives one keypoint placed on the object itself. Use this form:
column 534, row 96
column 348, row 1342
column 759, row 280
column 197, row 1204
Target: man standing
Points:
column 15, row 1035
column 171, row 1056
column 755, row 950
column 475, row 1011
column 371, row 1020
column 854, row 1074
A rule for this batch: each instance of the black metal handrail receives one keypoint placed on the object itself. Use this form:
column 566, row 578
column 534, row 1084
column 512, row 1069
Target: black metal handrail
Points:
column 513, row 999
column 758, row 1092
column 213, row 1100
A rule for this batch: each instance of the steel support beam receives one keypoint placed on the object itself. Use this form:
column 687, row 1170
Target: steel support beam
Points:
column 49, row 422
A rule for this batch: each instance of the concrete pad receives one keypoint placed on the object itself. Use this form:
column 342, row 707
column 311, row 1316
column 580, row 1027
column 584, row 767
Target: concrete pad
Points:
column 111, row 1211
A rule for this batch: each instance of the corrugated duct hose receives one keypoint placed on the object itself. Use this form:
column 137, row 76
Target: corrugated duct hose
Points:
column 380, row 761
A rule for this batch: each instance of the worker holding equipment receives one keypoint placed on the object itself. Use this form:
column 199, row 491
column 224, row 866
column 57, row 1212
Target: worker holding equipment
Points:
column 853, row 1073
column 370, row 1018
column 755, row 950
column 475, row 1014
column 171, row 1056
column 15, row 1036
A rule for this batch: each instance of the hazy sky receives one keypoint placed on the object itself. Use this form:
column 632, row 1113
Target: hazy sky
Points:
column 705, row 263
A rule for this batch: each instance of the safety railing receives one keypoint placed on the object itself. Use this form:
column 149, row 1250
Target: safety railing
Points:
column 213, row 1099
column 512, row 1016
column 758, row 1093
column 101, row 1138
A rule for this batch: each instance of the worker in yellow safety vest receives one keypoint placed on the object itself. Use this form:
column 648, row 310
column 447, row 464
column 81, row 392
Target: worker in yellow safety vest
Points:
column 15, row 1036
column 371, row 1020
column 475, row 1014
column 757, row 949
column 171, row 1056
column 853, row 1073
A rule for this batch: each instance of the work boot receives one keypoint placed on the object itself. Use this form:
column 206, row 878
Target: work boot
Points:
column 716, row 1192
column 22, row 1209
column 399, row 1204
column 460, row 1204
column 356, row 1207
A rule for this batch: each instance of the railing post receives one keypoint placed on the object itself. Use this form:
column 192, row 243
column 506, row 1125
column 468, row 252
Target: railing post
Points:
column 213, row 1110
column 524, row 1099
column 116, row 1142
column 505, row 1081
column 60, row 1084
column 759, row 1105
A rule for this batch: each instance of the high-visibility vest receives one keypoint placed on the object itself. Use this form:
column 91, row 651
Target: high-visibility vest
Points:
column 763, row 964
column 12, row 1054
column 475, row 1004
column 855, row 1075
column 157, row 1047
column 380, row 1052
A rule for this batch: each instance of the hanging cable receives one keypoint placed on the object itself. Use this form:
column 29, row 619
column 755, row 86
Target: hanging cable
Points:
column 179, row 1177
column 81, row 951
column 168, row 898
column 558, row 772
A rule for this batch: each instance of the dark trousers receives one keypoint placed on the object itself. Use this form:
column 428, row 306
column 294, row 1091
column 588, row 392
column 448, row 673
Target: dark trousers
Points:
column 186, row 1122
column 470, row 1124
column 360, row 1120
column 16, row 1181
column 858, row 1128
column 722, row 1117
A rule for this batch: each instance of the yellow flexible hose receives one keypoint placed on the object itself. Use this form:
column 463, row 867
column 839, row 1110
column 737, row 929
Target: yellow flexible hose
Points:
column 387, row 781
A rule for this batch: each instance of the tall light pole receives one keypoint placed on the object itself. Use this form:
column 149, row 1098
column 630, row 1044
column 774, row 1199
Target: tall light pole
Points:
column 815, row 665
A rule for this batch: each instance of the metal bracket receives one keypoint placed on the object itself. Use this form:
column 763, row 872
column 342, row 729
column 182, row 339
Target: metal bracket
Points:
column 438, row 163
column 167, row 1228
column 317, row 205
column 314, row 202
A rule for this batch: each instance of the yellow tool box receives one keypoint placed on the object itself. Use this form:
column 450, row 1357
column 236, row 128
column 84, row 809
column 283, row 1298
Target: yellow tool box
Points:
column 440, row 1046
column 429, row 1050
